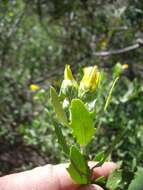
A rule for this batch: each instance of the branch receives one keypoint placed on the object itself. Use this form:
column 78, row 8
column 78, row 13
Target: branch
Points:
column 39, row 10
column 120, row 51
column 139, row 43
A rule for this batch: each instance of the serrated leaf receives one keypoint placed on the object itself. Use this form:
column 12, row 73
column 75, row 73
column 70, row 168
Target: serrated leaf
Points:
column 78, row 168
column 137, row 182
column 61, row 139
column 58, row 107
column 99, row 157
column 114, row 180
column 81, row 122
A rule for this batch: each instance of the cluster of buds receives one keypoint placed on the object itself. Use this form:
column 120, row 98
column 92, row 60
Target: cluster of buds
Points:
column 86, row 87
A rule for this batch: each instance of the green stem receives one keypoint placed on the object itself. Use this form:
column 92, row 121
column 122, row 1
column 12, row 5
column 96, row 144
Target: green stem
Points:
column 107, row 102
column 110, row 93
column 83, row 149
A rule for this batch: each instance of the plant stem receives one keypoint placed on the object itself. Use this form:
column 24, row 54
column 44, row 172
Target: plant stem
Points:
column 110, row 93
column 83, row 149
column 107, row 101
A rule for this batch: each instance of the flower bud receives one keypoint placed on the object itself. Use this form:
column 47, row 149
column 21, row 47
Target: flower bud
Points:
column 125, row 66
column 69, row 85
column 119, row 69
column 89, row 81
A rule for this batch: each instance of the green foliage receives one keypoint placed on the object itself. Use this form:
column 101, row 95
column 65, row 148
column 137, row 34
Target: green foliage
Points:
column 114, row 180
column 61, row 139
column 100, row 180
column 137, row 183
column 81, row 122
column 78, row 168
column 37, row 40
column 58, row 107
column 99, row 157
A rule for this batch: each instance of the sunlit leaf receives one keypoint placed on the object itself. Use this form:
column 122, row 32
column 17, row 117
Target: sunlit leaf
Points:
column 81, row 122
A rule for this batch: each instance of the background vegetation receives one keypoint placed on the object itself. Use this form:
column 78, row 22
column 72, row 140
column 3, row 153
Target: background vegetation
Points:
column 37, row 38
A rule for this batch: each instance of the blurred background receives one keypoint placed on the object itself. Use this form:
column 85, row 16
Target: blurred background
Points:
column 37, row 39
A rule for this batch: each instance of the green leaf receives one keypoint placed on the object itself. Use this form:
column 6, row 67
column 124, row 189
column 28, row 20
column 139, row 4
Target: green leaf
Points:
column 100, row 180
column 114, row 180
column 81, row 122
column 78, row 168
column 137, row 182
column 61, row 139
column 99, row 157
column 58, row 107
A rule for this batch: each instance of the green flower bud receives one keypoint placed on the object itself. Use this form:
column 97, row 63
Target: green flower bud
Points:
column 69, row 85
column 119, row 69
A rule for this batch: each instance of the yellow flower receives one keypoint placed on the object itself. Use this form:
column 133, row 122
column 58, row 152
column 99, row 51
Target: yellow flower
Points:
column 90, row 79
column 104, row 42
column 68, row 73
column 125, row 66
column 34, row 87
